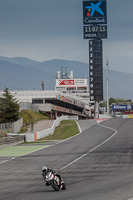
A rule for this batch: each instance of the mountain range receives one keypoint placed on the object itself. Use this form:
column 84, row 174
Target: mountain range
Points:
column 25, row 74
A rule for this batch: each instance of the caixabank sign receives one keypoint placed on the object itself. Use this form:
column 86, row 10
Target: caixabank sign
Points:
column 94, row 12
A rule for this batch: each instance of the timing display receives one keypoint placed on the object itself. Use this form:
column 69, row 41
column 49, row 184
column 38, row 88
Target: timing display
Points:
column 95, row 31
column 94, row 28
column 96, row 70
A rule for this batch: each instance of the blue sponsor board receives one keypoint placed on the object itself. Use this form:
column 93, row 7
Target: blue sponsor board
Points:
column 94, row 12
column 122, row 107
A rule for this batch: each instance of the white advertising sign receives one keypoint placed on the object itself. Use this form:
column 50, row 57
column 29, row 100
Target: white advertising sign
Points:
column 71, row 82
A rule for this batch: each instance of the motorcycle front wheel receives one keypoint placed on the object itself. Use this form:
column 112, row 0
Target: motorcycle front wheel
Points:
column 55, row 185
column 63, row 186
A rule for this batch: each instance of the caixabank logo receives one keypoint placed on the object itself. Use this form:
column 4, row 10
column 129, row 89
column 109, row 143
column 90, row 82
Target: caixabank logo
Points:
column 94, row 12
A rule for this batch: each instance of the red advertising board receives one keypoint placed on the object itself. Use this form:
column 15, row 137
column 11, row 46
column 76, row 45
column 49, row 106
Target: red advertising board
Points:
column 66, row 82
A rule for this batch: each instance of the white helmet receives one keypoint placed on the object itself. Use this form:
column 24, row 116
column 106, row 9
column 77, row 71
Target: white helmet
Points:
column 44, row 168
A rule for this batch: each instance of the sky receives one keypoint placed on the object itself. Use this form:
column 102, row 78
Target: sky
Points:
column 53, row 29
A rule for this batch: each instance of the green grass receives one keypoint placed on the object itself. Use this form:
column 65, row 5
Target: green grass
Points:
column 38, row 142
column 66, row 129
column 19, row 150
column 32, row 116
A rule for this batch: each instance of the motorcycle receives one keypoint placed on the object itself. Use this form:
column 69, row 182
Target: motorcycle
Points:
column 54, row 181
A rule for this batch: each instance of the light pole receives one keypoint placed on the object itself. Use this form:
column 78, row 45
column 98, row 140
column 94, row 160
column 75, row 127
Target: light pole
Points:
column 107, row 63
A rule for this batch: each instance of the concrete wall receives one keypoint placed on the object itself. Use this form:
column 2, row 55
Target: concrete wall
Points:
column 50, row 131
column 30, row 137
column 13, row 127
column 73, row 117
column 17, row 125
column 29, row 106
column 45, row 107
column 104, row 116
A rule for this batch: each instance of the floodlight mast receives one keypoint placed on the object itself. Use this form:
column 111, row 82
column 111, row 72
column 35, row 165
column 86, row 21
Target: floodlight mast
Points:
column 107, row 63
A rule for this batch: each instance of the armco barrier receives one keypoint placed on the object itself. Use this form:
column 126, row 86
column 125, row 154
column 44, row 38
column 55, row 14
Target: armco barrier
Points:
column 30, row 137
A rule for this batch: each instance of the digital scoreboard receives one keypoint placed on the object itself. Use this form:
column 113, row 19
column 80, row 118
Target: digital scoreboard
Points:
column 96, row 70
column 95, row 31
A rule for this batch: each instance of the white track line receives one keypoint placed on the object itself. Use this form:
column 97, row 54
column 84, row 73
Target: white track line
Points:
column 4, row 161
column 43, row 147
column 80, row 130
column 7, row 160
column 93, row 148
column 64, row 141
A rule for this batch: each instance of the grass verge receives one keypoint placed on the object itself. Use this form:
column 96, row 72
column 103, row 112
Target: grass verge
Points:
column 66, row 129
column 31, row 116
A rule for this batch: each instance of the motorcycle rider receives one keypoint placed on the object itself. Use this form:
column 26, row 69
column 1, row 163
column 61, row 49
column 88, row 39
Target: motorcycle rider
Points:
column 44, row 172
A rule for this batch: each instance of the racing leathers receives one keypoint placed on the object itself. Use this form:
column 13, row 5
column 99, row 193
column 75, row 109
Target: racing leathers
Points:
column 53, row 172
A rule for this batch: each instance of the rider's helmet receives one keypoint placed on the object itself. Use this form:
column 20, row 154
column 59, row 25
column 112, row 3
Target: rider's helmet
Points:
column 44, row 168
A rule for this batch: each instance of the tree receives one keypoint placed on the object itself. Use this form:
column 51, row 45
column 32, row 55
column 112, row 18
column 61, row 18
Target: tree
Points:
column 103, row 104
column 9, row 108
column 129, row 101
column 112, row 100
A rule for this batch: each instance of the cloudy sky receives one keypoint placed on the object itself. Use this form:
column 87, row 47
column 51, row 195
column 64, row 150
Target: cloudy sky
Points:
column 53, row 29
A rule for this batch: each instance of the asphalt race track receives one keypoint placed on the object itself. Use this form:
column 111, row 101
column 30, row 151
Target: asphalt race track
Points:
column 96, row 165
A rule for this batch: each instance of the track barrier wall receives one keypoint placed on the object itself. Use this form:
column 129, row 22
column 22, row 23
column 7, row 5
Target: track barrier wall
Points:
column 30, row 137
column 13, row 127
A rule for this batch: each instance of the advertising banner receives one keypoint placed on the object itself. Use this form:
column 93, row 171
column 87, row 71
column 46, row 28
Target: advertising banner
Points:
column 71, row 82
column 94, row 12
column 122, row 107
column 66, row 82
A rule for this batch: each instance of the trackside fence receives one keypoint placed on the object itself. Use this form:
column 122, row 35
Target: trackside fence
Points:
column 10, row 127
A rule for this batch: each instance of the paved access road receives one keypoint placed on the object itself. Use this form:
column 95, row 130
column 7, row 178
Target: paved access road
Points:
column 41, row 125
column 85, row 125
column 96, row 165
